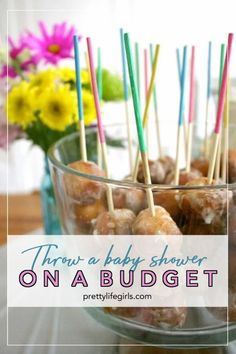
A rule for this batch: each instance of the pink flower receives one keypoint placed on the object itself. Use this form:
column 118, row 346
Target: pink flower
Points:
column 52, row 47
column 19, row 56
column 16, row 49
column 11, row 72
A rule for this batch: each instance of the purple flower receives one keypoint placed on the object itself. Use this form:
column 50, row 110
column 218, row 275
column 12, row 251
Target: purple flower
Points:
column 52, row 47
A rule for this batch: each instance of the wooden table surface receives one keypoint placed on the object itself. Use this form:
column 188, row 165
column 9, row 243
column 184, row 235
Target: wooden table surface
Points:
column 24, row 214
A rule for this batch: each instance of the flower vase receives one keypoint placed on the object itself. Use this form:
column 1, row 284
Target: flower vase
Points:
column 49, row 209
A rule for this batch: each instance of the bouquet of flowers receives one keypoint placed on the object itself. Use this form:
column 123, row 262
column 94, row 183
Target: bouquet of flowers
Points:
column 42, row 102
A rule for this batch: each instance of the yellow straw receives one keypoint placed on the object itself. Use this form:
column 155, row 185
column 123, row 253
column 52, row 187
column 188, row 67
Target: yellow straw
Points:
column 147, row 105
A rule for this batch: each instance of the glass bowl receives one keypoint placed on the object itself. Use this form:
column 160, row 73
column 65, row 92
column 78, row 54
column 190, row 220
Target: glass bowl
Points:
column 81, row 198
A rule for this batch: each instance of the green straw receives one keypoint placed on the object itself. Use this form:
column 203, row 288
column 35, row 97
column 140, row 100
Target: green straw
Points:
column 222, row 54
column 135, row 94
column 99, row 75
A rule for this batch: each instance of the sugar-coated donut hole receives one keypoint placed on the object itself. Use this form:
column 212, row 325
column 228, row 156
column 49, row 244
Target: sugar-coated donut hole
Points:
column 84, row 190
column 89, row 212
column 167, row 162
column 196, row 226
column 167, row 200
column 207, row 204
column 201, row 165
column 129, row 198
column 232, row 165
column 159, row 224
column 165, row 317
column 157, row 172
column 184, row 177
column 118, row 222
column 128, row 312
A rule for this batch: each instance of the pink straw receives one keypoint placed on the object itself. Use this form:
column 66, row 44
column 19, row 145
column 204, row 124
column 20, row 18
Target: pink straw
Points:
column 146, row 71
column 95, row 91
column 192, row 87
column 223, row 87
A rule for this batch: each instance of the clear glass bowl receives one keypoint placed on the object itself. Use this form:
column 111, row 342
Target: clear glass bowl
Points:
column 202, row 327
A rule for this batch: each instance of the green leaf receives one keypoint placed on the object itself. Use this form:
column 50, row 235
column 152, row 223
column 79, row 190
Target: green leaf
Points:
column 43, row 136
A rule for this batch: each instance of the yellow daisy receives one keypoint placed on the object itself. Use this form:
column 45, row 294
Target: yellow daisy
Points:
column 85, row 77
column 42, row 80
column 57, row 107
column 20, row 105
column 66, row 74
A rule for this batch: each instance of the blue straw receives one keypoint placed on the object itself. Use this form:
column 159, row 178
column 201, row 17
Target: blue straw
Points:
column 78, row 80
column 125, row 84
column 209, row 71
column 183, row 81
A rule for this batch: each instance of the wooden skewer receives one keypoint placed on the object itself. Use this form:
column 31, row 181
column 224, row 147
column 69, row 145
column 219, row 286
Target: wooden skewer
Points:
column 100, row 125
column 220, row 109
column 189, row 150
column 147, row 179
column 145, row 52
column 181, row 111
column 136, row 166
column 156, row 110
column 191, row 110
column 107, row 174
column 100, row 93
column 83, row 141
column 206, row 140
column 185, row 128
column 218, row 156
column 226, row 137
column 213, row 153
column 99, row 153
column 179, row 139
column 80, row 100
column 140, row 132
column 128, row 126
column 147, row 106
